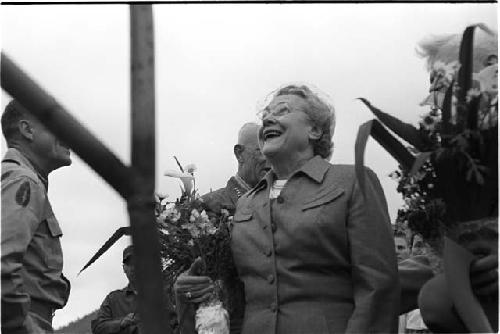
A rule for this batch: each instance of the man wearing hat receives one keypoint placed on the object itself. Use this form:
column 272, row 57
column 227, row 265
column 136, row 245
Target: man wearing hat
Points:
column 118, row 312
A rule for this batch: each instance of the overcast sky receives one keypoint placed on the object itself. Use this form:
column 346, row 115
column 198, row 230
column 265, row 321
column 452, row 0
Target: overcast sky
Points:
column 214, row 65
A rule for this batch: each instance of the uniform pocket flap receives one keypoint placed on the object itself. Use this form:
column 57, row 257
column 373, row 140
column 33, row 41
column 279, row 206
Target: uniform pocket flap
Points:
column 323, row 198
column 54, row 228
column 241, row 217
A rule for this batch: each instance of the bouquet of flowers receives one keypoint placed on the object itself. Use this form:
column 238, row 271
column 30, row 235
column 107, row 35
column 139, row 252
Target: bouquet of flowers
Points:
column 448, row 173
column 188, row 233
column 452, row 157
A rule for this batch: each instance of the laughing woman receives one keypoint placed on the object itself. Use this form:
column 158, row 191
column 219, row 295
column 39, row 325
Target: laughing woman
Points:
column 314, row 254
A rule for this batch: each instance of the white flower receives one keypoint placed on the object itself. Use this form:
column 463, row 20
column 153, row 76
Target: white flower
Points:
column 211, row 230
column 488, row 79
column 173, row 214
column 186, row 178
column 191, row 168
column 430, row 120
column 204, row 217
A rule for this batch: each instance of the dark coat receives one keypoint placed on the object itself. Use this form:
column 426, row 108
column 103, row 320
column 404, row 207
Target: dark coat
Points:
column 224, row 198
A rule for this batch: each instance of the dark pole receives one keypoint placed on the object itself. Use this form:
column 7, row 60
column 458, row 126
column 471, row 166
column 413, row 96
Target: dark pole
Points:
column 64, row 126
column 141, row 209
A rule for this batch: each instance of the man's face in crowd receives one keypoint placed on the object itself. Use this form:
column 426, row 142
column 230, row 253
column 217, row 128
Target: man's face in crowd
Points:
column 128, row 269
column 254, row 165
column 418, row 247
column 402, row 250
column 48, row 147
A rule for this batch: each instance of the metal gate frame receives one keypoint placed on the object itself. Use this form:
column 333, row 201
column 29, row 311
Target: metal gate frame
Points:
column 134, row 183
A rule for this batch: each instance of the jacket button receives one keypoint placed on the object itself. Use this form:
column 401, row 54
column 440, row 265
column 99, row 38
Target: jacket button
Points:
column 270, row 279
column 273, row 307
column 274, row 227
column 280, row 199
column 268, row 252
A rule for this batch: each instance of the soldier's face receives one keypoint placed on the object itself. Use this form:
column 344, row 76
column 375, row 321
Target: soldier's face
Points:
column 255, row 165
column 402, row 251
column 128, row 269
column 49, row 148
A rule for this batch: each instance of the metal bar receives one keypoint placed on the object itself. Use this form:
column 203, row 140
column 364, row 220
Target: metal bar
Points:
column 64, row 126
column 151, row 299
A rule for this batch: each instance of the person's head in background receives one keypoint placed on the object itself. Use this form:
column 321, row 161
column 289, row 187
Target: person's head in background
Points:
column 401, row 246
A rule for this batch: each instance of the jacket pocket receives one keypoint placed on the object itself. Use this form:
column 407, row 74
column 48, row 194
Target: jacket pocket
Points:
column 52, row 244
column 54, row 228
column 240, row 217
column 323, row 198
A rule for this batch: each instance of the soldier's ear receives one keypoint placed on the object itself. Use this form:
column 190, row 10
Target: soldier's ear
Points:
column 26, row 129
column 238, row 152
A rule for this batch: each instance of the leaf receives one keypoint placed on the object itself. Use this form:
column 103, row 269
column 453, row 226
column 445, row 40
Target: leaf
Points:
column 446, row 110
column 466, row 63
column 110, row 242
column 404, row 130
column 468, row 175
column 179, row 164
column 359, row 153
column 472, row 113
column 392, row 145
column 420, row 160
column 386, row 140
column 479, row 178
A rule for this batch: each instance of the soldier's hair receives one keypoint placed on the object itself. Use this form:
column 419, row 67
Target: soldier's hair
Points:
column 321, row 113
column 13, row 113
column 400, row 234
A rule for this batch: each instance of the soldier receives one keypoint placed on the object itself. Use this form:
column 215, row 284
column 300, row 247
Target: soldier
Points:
column 252, row 166
column 33, row 285
column 118, row 312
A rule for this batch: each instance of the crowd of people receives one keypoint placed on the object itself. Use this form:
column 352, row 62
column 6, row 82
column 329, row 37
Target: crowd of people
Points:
column 313, row 252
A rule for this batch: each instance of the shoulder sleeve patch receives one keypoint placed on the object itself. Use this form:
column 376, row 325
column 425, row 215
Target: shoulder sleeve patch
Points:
column 23, row 194
column 6, row 175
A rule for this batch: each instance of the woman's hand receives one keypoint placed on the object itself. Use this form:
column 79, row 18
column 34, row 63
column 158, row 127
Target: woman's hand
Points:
column 484, row 276
column 191, row 288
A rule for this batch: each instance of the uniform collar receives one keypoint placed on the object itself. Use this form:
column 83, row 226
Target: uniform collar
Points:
column 236, row 188
column 128, row 290
column 13, row 154
column 315, row 168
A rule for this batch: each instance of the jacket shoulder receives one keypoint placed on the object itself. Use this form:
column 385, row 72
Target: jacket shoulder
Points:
column 115, row 294
column 349, row 172
column 216, row 200
column 12, row 171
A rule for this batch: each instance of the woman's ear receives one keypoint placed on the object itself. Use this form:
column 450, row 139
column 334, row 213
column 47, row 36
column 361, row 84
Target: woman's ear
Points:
column 315, row 133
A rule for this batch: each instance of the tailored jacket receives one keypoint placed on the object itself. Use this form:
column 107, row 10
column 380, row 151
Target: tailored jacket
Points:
column 33, row 285
column 319, row 258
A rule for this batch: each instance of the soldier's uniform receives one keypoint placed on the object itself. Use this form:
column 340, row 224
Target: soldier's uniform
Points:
column 33, row 285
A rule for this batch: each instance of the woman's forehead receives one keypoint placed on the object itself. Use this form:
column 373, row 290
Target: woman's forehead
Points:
column 292, row 102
